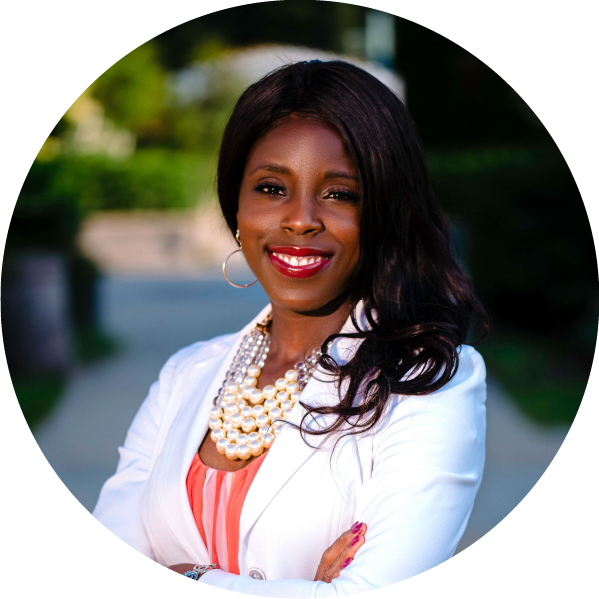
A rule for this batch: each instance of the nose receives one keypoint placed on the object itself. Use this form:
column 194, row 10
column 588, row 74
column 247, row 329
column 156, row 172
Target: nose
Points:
column 301, row 215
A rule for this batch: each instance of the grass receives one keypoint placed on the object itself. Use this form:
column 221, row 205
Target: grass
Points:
column 538, row 378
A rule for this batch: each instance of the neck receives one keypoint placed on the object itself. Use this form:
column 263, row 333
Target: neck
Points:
column 295, row 334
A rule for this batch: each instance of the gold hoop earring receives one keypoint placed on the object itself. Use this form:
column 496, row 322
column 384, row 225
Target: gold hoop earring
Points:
column 225, row 266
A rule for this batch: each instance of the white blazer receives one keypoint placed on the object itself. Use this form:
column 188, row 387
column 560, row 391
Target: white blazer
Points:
column 412, row 479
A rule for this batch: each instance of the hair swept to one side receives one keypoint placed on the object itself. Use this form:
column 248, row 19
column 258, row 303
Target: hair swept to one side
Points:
column 419, row 303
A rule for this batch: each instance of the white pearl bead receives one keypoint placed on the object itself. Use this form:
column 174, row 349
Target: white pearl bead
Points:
column 215, row 423
column 231, row 388
column 231, row 409
column 241, row 404
column 257, row 410
column 247, row 412
column 269, row 391
column 233, row 434
column 256, row 396
column 270, row 404
column 250, row 381
column 221, row 445
column 243, row 452
column 254, row 371
column 248, row 425
column 241, row 439
column 227, row 425
column 253, row 437
column 255, row 447
column 275, row 413
column 231, row 451
column 216, row 412
column 286, row 414
column 295, row 396
column 263, row 430
column 277, row 426
column 282, row 396
column 286, row 405
column 291, row 375
column 217, row 433
column 267, row 440
column 247, row 392
column 236, row 420
column 280, row 384
column 262, row 420
column 292, row 388
column 230, row 397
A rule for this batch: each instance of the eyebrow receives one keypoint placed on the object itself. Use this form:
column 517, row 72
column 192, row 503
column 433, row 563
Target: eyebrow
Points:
column 273, row 168
column 277, row 168
column 339, row 175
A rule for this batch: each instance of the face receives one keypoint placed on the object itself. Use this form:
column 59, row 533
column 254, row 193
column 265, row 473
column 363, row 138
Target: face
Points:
column 298, row 215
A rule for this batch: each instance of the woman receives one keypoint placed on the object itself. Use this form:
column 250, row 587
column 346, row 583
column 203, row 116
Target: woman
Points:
column 361, row 352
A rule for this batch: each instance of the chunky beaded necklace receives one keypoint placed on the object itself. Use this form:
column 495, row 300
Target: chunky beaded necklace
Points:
column 245, row 420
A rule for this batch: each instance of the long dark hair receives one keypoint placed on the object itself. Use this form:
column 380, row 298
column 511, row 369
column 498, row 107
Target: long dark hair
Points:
column 419, row 303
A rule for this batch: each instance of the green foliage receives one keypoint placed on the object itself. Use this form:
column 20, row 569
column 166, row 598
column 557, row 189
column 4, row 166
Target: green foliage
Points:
column 536, row 375
column 151, row 179
column 38, row 394
column 132, row 91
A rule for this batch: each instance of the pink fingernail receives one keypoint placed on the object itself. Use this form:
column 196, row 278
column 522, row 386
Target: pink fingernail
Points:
column 356, row 527
column 355, row 540
column 346, row 563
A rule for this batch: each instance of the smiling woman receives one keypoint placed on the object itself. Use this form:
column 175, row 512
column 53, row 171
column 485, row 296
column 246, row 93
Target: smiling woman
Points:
column 336, row 444
column 299, row 213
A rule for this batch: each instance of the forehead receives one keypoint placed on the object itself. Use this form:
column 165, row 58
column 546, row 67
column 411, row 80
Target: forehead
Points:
column 301, row 142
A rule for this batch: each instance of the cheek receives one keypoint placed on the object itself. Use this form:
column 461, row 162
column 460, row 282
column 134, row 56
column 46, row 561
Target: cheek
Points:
column 348, row 233
column 253, row 219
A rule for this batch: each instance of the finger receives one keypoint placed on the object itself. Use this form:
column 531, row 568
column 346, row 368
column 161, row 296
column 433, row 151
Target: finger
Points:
column 344, row 558
column 340, row 544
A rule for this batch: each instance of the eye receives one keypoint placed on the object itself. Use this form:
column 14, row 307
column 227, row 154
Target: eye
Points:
column 342, row 195
column 270, row 189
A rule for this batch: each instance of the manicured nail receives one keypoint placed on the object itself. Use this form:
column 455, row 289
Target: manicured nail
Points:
column 356, row 527
column 355, row 540
column 346, row 563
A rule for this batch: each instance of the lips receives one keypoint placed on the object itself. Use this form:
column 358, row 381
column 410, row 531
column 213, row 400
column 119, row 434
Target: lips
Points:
column 298, row 262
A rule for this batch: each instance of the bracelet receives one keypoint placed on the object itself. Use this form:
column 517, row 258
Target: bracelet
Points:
column 200, row 571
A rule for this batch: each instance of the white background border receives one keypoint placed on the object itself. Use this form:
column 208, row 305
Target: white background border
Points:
column 52, row 51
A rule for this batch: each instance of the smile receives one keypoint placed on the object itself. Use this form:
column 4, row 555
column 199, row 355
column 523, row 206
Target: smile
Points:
column 298, row 262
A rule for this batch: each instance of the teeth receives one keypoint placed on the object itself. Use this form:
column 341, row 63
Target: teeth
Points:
column 294, row 261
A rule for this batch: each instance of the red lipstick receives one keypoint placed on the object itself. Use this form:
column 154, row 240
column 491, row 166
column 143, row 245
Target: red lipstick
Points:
column 286, row 259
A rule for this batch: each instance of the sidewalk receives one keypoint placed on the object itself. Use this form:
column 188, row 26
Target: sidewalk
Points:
column 152, row 319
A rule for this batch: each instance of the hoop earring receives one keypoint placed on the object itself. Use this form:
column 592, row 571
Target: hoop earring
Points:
column 225, row 266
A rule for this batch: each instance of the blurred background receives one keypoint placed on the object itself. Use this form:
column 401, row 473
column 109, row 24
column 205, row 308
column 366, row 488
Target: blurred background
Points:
column 112, row 261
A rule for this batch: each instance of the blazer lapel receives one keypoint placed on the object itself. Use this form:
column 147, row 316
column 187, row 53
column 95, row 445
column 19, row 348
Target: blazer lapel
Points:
column 187, row 432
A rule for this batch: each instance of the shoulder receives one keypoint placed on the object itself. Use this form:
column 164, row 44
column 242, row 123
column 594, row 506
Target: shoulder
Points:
column 446, row 427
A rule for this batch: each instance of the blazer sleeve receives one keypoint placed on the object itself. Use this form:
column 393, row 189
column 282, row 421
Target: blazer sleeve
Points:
column 119, row 503
column 428, row 458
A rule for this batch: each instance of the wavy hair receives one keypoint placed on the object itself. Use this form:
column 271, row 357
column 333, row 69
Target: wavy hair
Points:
column 418, row 302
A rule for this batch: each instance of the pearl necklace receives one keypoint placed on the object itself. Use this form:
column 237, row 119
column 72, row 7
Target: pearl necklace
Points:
column 241, row 430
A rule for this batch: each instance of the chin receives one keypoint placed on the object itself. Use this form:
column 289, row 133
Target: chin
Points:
column 308, row 303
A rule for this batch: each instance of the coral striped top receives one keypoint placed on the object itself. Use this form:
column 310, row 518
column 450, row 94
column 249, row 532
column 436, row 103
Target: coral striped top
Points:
column 216, row 498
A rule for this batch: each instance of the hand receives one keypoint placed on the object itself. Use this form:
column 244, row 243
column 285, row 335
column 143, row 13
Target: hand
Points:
column 341, row 553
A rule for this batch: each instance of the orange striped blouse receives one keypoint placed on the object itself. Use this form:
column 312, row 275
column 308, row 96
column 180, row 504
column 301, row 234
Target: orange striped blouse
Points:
column 216, row 498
